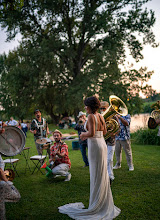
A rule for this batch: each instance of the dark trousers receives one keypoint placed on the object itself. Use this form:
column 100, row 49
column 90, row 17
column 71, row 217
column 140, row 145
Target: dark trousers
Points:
column 83, row 152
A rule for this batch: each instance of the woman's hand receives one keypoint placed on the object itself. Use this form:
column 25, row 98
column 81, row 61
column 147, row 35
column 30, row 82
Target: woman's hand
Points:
column 82, row 136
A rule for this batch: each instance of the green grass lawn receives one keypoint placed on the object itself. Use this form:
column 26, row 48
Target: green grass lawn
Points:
column 135, row 193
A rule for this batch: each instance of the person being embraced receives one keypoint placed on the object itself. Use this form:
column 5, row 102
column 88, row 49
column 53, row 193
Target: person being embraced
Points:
column 59, row 159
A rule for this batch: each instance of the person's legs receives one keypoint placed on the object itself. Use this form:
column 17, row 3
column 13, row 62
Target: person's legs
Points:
column 39, row 148
column 24, row 130
column 62, row 169
column 128, row 152
column 118, row 153
column 83, row 152
column 110, row 154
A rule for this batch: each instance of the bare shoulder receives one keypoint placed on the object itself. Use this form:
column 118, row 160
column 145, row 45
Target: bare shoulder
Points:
column 90, row 117
column 101, row 116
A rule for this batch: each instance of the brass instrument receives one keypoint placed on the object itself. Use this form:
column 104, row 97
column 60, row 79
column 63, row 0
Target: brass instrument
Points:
column 155, row 114
column 117, row 106
column 10, row 174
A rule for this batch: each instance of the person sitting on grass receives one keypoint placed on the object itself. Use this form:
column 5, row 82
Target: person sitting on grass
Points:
column 59, row 160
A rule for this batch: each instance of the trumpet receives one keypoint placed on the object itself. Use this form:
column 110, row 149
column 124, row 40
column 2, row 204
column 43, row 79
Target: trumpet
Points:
column 10, row 174
column 117, row 106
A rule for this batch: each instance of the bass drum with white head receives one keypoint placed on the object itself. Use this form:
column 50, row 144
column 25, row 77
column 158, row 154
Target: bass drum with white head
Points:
column 12, row 141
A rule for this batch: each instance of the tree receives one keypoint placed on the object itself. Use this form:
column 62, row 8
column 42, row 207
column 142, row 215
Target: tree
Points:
column 85, row 42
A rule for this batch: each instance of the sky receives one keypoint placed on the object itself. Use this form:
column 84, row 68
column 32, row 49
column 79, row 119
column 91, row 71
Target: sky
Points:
column 151, row 55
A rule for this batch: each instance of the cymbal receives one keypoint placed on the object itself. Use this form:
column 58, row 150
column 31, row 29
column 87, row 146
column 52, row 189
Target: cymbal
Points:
column 51, row 138
column 41, row 141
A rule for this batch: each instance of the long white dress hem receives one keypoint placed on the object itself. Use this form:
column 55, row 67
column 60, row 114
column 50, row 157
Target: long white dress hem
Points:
column 101, row 205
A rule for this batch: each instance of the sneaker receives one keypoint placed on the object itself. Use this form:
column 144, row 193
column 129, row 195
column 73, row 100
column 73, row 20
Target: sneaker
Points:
column 117, row 167
column 131, row 168
column 56, row 176
column 68, row 177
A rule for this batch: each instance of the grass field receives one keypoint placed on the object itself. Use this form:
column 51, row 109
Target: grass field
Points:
column 135, row 193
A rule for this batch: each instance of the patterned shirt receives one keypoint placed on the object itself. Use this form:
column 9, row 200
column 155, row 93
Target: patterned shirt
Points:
column 80, row 129
column 36, row 125
column 63, row 149
column 125, row 130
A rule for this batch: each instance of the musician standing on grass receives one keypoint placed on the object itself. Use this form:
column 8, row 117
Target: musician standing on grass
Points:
column 39, row 127
column 123, row 140
column 82, row 143
column 110, row 142
column 59, row 159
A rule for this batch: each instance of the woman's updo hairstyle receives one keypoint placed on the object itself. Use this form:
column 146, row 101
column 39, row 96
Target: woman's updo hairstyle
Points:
column 93, row 102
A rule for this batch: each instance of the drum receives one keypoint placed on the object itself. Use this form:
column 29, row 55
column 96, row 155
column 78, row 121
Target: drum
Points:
column 12, row 141
column 43, row 141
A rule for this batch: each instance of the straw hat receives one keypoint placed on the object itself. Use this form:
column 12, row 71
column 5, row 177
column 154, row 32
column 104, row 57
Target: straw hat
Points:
column 57, row 131
column 80, row 114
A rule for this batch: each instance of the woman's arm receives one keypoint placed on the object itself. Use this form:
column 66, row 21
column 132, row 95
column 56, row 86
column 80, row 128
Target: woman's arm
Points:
column 103, row 124
column 91, row 128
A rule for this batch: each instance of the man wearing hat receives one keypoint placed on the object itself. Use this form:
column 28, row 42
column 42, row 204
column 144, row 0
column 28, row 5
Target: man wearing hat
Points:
column 39, row 127
column 80, row 128
column 103, row 107
column 59, row 159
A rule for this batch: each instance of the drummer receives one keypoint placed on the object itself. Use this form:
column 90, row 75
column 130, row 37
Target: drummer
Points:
column 39, row 127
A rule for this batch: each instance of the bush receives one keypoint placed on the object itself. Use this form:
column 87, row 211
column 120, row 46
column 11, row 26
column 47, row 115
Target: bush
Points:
column 147, row 108
column 146, row 137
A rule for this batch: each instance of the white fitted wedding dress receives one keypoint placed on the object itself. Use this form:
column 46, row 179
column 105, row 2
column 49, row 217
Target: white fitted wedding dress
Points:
column 101, row 205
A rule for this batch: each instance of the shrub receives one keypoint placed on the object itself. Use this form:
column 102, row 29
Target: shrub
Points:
column 146, row 137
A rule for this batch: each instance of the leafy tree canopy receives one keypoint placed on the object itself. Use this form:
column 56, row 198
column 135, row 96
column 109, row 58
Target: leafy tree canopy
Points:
column 72, row 49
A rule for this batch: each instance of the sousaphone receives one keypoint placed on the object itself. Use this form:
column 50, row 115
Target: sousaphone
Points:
column 117, row 106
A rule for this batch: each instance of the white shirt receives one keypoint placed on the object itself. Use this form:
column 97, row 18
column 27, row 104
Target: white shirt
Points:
column 13, row 122
column 24, row 125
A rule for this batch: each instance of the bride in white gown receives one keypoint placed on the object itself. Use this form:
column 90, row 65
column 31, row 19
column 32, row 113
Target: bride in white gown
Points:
column 101, row 205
